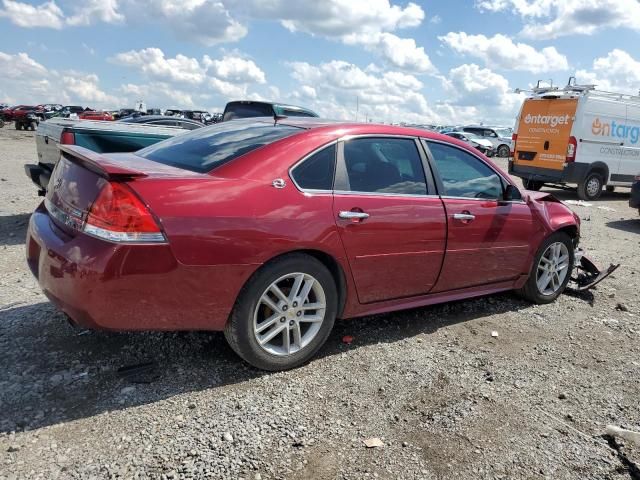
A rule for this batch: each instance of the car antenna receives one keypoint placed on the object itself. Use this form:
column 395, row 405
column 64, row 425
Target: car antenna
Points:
column 277, row 117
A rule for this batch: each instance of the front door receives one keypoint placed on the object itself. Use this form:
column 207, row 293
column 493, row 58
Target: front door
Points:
column 392, row 225
column 488, row 239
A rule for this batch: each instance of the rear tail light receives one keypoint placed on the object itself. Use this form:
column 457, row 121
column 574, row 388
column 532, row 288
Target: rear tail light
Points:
column 571, row 149
column 118, row 215
column 68, row 138
column 514, row 137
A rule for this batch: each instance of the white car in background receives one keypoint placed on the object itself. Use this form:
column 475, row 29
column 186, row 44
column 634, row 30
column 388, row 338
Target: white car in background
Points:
column 500, row 137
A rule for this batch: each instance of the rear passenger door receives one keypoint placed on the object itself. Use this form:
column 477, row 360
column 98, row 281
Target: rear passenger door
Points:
column 488, row 238
column 390, row 219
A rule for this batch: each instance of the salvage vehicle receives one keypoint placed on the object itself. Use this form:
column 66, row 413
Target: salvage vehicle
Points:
column 577, row 135
column 95, row 115
column 634, row 200
column 271, row 229
column 101, row 137
column 250, row 108
column 499, row 137
column 163, row 120
column 476, row 141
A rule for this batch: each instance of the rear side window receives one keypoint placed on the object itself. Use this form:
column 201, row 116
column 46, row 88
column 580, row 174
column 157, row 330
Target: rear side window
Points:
column 247, row 110
column 464, row 175
column 316, row 172
column 384, row 165
column 204, row 149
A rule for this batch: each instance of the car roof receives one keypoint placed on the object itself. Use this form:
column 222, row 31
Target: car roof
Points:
column 151, row 118
column 345, row 128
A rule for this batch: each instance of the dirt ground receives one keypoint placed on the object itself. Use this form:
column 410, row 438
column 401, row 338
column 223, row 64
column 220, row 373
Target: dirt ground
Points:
column 446, row 398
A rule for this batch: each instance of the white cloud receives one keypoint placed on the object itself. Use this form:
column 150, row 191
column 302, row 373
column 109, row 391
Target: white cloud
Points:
column 617, row 71
column 336, row 88
column 27, row 81
column 91, row 11
column 366, row 23
column 47, row 14
column 484, row 94
column 207, row 22
column 501, row 52
column 568, row 17
column 152, row 62
column 231, row 73
column 235, row 69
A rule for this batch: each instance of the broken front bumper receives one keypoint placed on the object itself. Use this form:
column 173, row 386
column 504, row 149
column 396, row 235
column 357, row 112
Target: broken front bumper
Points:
column 586, row 274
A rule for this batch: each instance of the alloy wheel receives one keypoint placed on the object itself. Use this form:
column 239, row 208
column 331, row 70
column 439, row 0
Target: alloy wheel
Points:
column 289, row 314
column 553, row 268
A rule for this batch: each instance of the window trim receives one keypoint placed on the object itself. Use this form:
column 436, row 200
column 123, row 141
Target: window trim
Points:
column 309, row 155
column 425, row 144
column 341, row 177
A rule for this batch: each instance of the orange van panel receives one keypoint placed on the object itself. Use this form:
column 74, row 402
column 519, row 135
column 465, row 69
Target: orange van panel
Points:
column 543, row 132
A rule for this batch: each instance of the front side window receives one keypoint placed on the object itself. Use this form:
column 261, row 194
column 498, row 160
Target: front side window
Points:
column 316, row 172
column 464, row 175
column 384, row 165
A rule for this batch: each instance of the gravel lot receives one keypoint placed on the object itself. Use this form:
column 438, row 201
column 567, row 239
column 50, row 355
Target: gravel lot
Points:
column 446, row 398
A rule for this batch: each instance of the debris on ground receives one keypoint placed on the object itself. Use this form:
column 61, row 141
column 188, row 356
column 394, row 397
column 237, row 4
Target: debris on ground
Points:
column 373, row 442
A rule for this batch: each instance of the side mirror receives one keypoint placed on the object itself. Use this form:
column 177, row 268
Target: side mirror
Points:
column 511, row 193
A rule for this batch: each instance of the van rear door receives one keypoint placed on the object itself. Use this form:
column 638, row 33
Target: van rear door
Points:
column 543, row 134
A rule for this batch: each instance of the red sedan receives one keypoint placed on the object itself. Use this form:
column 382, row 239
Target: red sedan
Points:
column 272, row 230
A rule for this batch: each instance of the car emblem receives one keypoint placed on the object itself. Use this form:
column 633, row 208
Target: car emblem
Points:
column 279, row 183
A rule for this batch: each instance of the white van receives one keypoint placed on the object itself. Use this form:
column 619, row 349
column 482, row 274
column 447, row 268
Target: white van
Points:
column 577, row 135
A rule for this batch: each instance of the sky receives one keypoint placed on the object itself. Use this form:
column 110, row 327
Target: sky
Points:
column 391, row 61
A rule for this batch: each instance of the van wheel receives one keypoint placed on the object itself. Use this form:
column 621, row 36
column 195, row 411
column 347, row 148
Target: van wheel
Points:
column 284, row 313
column 532, row 184
column 504, row 151
column 591, row 187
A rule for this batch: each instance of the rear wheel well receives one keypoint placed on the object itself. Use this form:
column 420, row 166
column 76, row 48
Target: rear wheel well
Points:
column 602, row 169
column 332, row 265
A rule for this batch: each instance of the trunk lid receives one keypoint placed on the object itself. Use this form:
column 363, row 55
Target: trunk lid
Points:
column 80, row 175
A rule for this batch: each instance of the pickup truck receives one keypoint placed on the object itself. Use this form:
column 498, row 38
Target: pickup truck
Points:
column 101, row 137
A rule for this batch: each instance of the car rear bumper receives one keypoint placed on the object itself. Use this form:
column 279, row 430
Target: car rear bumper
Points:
column 571, row 173
column 39, row 175
column 102, row 285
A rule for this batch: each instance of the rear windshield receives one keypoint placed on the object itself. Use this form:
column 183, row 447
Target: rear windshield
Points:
column 204, row 149
column 247, row 110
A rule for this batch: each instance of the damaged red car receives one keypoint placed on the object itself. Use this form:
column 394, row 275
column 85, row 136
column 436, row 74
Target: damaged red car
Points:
column 271, row 229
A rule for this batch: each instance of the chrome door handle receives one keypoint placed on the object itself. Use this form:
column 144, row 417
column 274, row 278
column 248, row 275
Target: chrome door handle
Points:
column 464, row 216
column 348, row 215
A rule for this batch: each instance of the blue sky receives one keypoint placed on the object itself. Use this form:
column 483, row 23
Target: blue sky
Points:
column 421, row 62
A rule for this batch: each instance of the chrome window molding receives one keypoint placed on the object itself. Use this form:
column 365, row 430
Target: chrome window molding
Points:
column 308, row 155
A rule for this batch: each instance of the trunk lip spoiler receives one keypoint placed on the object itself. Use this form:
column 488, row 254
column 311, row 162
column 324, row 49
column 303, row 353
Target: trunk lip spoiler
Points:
column 98, row 163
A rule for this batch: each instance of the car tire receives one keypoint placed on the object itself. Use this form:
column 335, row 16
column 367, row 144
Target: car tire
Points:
column 534, row 185
column 18, row 126
column 533, row 289
column 591, row 187
column 504, row 151
column 286, row 349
